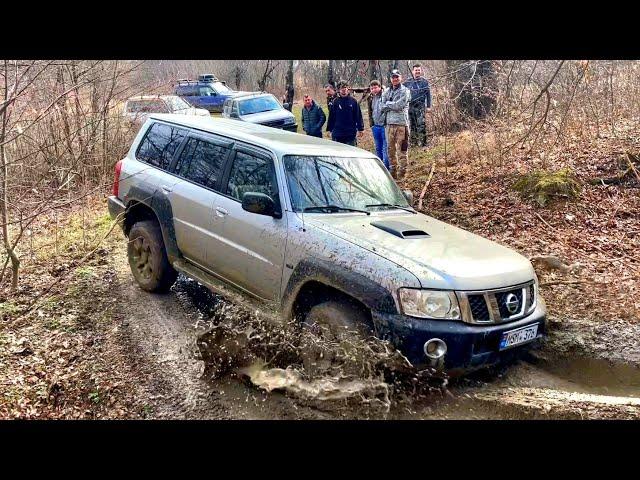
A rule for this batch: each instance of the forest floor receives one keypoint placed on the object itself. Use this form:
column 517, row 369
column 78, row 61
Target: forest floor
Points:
column 79, row 339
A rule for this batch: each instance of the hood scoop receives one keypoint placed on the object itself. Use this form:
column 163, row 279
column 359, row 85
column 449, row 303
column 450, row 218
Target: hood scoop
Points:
column 400, row 229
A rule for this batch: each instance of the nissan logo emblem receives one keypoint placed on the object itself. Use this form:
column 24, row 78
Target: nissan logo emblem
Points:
column 512, row 303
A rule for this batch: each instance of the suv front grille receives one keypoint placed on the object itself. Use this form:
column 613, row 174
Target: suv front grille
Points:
column 497, row 306
column 478, row 307
column 502, row 297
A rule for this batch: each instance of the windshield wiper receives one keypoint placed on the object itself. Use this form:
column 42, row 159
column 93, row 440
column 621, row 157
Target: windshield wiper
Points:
column 333, row 208
column 261, row 111
column 407, row 209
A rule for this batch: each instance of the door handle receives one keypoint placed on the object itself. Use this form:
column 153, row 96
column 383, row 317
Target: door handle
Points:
column 165, row 189
column 221, row 212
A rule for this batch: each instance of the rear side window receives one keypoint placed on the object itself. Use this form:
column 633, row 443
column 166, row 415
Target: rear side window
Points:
column 159, row 145
column 202, row 162
column 251, row 173
column 187, row 90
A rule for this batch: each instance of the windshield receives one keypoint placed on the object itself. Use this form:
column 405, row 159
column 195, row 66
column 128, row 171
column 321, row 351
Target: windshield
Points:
column 344, row 182
column 258, row 104
column 177, row 103
column 221, row 87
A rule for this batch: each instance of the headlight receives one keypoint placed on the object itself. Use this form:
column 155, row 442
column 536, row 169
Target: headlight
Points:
column 441, row 305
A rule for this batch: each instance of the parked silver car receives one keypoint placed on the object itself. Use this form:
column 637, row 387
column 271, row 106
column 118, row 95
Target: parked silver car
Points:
column 319, row 230
column 138, row 108
column 260, row 108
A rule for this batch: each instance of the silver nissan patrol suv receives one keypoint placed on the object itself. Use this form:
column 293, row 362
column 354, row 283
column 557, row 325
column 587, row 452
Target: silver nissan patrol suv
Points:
column 314, row 229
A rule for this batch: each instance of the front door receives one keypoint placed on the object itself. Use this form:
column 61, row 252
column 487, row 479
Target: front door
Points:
column 251, row 251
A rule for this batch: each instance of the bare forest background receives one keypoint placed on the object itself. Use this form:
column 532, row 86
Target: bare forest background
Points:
column 541, row 156
column 61, row 129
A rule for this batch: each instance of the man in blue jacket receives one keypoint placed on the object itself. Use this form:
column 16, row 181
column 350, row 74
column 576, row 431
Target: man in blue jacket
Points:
column 313, row 117
column 420, row 101
column 345, row 117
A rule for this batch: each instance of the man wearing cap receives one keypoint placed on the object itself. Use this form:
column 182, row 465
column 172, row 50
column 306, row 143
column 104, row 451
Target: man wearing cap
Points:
column 345, row 117
column 420, row 100
column 395, row 103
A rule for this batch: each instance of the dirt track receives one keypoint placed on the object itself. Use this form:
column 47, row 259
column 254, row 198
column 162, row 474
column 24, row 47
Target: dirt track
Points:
column 583, row 371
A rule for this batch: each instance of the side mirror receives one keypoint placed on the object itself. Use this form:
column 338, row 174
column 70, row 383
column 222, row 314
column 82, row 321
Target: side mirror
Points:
column 260, row 204
column 408, row 194
column 286, row 106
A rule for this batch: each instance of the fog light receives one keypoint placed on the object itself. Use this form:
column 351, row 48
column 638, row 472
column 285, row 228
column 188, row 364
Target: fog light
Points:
column 435, row 349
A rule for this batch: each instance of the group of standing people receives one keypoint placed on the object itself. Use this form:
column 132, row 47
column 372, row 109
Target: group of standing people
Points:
column 396, row 117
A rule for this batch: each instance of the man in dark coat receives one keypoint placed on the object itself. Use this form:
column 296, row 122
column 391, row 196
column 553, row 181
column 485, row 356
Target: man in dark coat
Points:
column 420, row 102
column 330, row 90
column 345, row 117
column 313, row 117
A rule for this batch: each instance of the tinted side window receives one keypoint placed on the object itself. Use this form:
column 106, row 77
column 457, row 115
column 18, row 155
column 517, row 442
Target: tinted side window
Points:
column 186, row 91
column 202, row 162
column 206, row 92
column 251, row 174
column 160, row 144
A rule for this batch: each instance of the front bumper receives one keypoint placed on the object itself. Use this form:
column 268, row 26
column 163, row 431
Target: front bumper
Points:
column 468, row 346
column 116, row 208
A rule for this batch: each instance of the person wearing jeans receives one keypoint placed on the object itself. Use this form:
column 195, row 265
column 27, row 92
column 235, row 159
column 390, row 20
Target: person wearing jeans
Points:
column 345, row 117
column 377, row 121
column 395, row 103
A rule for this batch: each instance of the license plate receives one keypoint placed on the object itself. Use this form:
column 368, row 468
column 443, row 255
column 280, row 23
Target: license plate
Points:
column 518, row 336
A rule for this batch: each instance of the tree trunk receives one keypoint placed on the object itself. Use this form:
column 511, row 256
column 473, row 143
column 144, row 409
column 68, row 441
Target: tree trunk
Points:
column 290, row 89
column 331, row 73
column 4, row 198
column 474, row 86
column 373, row 71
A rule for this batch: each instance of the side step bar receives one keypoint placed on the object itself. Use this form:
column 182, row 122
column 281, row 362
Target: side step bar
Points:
column 220, row 287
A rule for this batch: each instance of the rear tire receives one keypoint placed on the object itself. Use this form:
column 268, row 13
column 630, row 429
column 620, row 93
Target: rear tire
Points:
column 148, row 257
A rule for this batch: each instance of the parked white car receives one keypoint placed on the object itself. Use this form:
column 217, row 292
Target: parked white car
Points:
column 138, row 108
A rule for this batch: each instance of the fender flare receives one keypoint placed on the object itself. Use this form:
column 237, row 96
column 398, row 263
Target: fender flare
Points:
column 159, row 204
column 374, row 296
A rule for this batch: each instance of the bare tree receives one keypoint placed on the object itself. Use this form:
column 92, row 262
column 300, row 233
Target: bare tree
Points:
column 289, row 89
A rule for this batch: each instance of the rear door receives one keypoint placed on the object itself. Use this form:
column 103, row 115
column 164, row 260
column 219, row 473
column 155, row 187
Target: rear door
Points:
column 152, row 180
column 200, row 165
column 251, row 251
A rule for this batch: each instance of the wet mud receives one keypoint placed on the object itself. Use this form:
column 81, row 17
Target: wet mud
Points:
column 202, row 357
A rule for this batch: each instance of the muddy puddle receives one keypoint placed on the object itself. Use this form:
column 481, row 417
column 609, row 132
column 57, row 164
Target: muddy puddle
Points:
column 593, row 375
column 235, row 344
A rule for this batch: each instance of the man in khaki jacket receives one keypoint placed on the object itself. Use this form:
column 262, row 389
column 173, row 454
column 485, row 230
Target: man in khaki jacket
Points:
column 395, row 102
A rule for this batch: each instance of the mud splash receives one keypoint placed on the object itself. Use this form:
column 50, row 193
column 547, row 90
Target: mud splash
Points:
column 239, row 342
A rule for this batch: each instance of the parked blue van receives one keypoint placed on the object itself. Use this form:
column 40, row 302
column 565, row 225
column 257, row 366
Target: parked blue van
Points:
column 206, row 92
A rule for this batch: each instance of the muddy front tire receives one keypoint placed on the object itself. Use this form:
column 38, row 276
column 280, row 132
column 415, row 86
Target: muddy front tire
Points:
column 148, row 257
column 332, row 332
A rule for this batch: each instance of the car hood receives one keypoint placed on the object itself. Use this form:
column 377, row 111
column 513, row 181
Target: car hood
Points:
column 448, row 258
column 269, row 116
